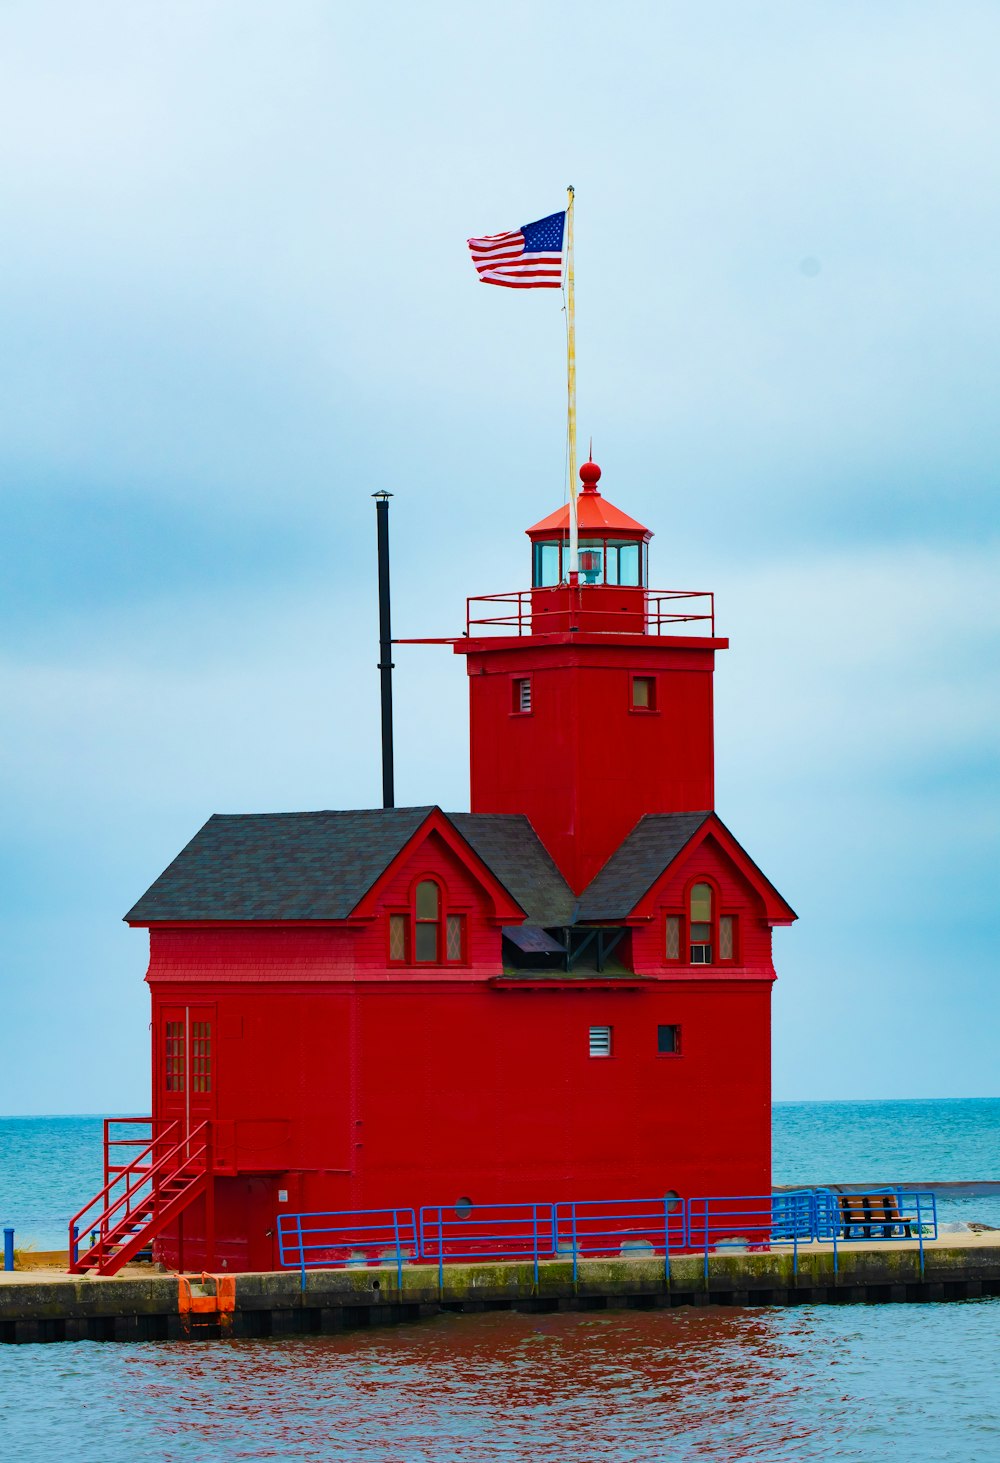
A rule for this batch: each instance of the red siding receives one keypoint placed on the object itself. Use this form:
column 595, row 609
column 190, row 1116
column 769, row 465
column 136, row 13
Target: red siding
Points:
column 583, row 765
column 422, row 1093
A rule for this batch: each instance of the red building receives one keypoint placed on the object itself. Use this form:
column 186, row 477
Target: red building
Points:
column 564, row 993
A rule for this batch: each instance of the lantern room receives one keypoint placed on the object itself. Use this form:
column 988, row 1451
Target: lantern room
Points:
column 614, row 548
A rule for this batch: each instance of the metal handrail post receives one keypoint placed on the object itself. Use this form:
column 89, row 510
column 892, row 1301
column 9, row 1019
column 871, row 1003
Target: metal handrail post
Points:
column 534, row 1239
column 572, row 1224
column 666, row 1242
column 440, row 1251
column 399, row 1257
column 302, row 1249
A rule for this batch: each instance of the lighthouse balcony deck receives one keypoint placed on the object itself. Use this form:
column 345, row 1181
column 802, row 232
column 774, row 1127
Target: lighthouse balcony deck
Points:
column 601, row 609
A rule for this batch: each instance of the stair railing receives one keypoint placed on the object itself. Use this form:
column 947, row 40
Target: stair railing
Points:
column 141, row 1182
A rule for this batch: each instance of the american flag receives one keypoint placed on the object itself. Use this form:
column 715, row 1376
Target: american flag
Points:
column 528, row 258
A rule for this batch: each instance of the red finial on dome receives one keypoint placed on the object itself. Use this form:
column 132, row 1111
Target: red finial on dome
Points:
column 590, row 476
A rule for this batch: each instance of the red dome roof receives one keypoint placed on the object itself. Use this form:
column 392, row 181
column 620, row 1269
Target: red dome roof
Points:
column 595, row 515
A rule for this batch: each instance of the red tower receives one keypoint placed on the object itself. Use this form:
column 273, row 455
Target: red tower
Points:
column 563, row 994
column 594, row 710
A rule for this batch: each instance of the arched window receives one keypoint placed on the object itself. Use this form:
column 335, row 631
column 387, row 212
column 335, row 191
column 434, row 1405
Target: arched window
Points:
column 429, row 933
column 427, row 923
column 700, row 924
column 711, row 937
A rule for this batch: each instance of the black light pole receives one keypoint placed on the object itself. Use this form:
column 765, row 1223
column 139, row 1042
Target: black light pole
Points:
column 385, row 646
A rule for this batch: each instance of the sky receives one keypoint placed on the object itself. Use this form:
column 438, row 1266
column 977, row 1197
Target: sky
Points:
column 235, row 301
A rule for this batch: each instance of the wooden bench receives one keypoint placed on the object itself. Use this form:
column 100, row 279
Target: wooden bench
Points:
column 869, row 1213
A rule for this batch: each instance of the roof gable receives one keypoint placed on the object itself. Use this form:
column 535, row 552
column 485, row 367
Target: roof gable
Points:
column 439, row 828
column 628, row 881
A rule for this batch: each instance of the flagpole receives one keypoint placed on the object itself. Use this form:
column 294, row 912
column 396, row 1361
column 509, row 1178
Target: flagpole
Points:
column 574, row 554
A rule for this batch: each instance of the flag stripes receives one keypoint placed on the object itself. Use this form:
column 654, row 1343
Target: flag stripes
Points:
column 528, row 258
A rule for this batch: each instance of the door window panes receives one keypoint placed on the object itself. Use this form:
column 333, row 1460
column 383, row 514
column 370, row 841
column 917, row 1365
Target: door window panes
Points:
column 175, row 1056
column 201, row 1056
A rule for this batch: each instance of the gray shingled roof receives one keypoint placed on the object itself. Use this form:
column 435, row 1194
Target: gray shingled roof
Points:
column 634, row 867
column 508, row 844
column 278, row 866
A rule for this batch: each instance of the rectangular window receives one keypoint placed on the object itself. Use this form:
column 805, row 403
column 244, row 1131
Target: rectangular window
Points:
column 546, row 564
column 668, row 1040
column 201, row 1056
column 701, row 944
column 643, row 693
column 628, row 572
column 673, row 937
column 727, row 940
column 455, row 936
column 600, row 1041
column 426, row 943
column 175, row 1056
column 520, row 695
column 397, row 936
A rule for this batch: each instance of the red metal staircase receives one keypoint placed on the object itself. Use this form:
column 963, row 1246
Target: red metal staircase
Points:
column 140, row 1198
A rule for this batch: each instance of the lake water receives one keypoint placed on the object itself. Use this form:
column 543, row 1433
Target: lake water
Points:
column 915, row 1383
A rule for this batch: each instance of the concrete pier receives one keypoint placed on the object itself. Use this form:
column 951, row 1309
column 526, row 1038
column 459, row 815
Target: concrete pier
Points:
column 145, row 1304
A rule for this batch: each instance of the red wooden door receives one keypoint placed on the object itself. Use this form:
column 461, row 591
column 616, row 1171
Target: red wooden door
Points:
column 188, row 1074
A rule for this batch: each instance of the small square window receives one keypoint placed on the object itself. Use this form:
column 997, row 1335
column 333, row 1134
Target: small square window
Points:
column 643, row 693
column 521, row 695
column 600, row 1041
column 668, row 1040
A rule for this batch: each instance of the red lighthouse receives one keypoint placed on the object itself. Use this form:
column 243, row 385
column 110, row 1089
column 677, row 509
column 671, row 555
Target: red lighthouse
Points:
column 564, row 993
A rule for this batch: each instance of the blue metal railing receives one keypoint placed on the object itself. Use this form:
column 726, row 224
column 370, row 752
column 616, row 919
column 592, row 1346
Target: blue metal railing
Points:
column 448, row 1234
column 630, row 1227
column 487, row 1232
column 333, row 1240
column 876, row 1216
column 751, row 1222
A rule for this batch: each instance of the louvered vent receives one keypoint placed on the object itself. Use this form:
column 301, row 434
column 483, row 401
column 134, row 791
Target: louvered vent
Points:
column 600, row 1041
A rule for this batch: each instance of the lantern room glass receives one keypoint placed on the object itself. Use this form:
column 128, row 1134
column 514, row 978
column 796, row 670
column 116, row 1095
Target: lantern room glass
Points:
column 602, row 561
